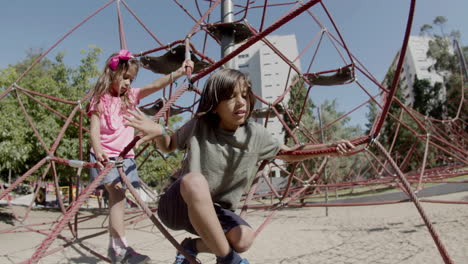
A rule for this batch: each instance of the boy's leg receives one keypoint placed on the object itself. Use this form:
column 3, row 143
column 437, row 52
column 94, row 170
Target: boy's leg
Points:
column 240, row 239
column 196, row 194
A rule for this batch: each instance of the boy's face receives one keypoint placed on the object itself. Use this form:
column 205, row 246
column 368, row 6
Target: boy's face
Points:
column 233, row 112
column 122, row 83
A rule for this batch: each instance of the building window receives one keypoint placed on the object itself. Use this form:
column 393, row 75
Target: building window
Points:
column 267, row 74
column 268, row 85
column 243, row 66
column 266, row 53
column 243, row 56
column 267, row 63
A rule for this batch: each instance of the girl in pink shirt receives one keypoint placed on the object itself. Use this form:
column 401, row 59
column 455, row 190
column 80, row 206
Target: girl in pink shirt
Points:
column 112, row 97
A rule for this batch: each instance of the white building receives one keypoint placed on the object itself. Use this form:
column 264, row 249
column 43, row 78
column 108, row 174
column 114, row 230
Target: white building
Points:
column 417, row 63
column 269, row 74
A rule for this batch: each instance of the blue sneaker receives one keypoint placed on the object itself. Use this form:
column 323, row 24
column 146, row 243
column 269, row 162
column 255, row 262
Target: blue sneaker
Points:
column 180, row 258
column 243, row 261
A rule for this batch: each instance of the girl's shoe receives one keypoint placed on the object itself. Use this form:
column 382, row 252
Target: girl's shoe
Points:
column 127, row 256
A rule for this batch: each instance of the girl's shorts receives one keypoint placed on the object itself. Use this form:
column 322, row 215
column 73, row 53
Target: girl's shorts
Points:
column 129, row 167
column 173, row 212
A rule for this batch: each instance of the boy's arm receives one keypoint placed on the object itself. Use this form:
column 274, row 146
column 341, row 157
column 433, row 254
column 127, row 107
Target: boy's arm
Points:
column 166, row 143
column 342, row 147
column 163, row 81
column 95, row 132
column 150, row 130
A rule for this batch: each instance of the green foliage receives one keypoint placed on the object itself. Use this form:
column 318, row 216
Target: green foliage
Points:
column 448, row 64
column 371, row 115
column 300, row 103
column 338, row 168
column 440, row 21
column 439, row 50
column 20, row 147
column 427, row 99
column 153, row 169
column 426, row 29
column 392, row 131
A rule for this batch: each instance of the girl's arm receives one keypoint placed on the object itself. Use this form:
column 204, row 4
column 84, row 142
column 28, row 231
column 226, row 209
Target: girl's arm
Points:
column 150, row 130
column 342, row 147
column 163, row 81
column 95, row 134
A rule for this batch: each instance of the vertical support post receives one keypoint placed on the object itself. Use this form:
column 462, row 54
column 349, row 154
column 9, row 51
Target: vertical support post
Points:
column 227, row 38
column 325, row 173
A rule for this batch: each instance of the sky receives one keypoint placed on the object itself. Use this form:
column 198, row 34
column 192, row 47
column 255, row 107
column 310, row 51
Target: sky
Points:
column 372, row 30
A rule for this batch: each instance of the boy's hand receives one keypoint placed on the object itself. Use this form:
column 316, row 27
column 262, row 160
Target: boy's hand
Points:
column 343, row 146
column 147, row 127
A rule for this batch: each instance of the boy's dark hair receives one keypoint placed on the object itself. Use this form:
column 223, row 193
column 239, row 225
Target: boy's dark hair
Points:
column 220, row 86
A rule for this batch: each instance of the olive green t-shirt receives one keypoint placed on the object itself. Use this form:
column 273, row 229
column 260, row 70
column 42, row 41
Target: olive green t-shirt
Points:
column 227, row 159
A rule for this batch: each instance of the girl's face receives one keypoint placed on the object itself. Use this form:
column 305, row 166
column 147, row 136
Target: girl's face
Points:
column 122, row 83
column 233, row 112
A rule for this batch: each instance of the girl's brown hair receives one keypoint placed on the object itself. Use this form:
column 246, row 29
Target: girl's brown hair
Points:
column 108, row 76
column 220, row 86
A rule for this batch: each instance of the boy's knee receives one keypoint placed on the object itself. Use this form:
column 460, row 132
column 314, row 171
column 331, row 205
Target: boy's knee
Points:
column 243, row 245
column 242, row 239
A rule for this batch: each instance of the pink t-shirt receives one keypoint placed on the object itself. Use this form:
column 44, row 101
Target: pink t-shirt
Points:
column 114, row 135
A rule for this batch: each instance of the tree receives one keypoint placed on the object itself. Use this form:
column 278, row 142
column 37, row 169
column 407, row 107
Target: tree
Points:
column 448, row 65
column 19, row 147
column 371, row 115
column 426, row 29
column 299, row 103
column 338, row 167
column 427, row 99
column 152, row 168
column 439, row 50
column 440, row 21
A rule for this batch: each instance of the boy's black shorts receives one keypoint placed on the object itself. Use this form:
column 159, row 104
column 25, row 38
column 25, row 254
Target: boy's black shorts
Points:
column 173, row 212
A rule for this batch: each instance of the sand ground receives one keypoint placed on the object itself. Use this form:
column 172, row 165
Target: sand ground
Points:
column 368, row 234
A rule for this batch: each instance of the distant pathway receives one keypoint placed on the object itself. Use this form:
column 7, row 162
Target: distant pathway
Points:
column 440, row 189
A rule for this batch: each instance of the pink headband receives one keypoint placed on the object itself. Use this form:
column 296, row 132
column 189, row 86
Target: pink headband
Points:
column 123, row 55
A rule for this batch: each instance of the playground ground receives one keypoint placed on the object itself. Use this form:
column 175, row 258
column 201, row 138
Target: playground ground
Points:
column 384, row 234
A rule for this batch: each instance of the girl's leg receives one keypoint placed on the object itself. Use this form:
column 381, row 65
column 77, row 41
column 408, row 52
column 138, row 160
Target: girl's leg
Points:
column 116, row 209
column 196, row 194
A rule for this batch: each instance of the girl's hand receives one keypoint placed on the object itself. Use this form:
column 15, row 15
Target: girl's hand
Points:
column 182, row 70
column 147, row 127
column 101, row 158
column 343, row 146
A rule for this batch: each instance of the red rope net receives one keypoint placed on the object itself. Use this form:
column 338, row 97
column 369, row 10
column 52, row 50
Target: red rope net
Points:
column 370, row 165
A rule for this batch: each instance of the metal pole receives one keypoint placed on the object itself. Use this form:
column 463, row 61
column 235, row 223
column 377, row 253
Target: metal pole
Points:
column 462, row 58
column 227, row 38
column 325, row 174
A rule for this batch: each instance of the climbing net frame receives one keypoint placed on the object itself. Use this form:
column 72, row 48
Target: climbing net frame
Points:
column 447, row 136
